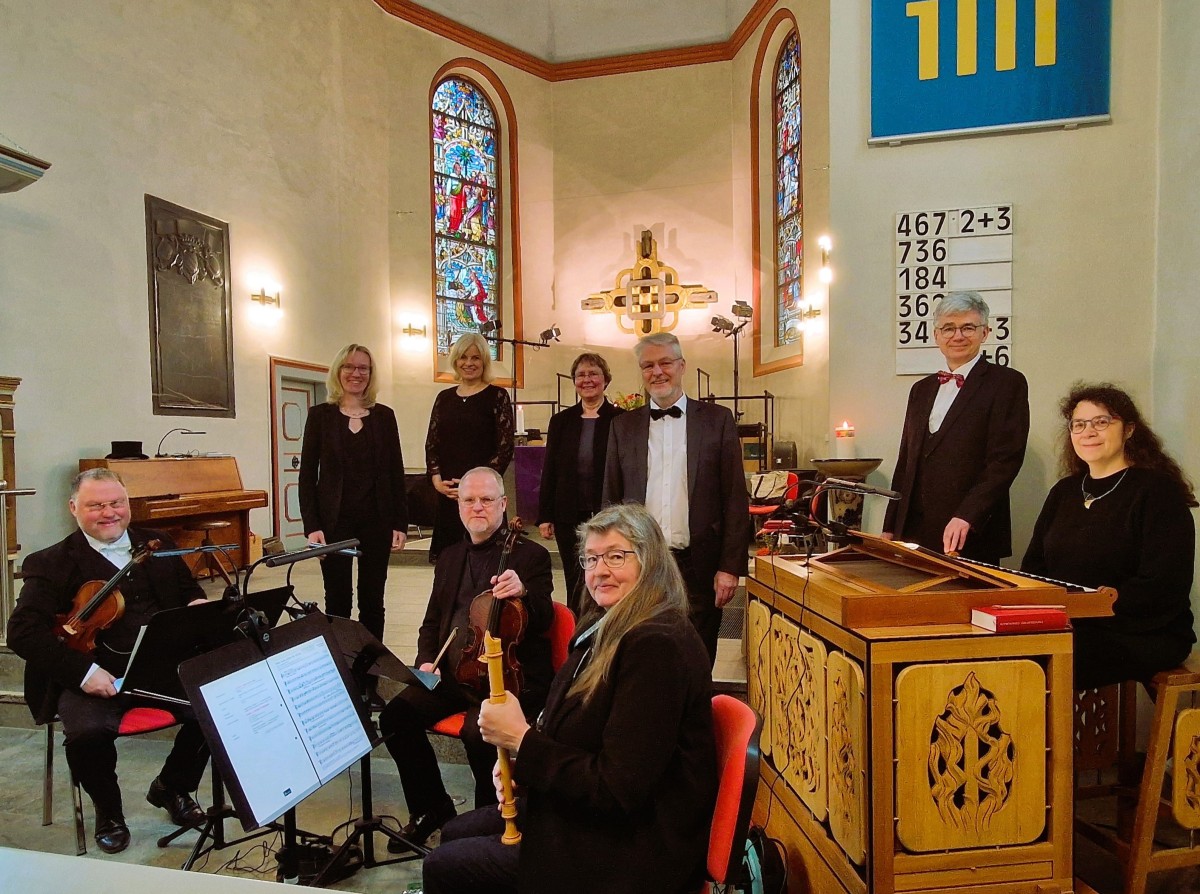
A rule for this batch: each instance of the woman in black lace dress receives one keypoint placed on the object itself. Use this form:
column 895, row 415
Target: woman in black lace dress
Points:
column 471, row 425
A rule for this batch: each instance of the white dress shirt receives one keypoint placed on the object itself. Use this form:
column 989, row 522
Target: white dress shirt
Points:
column 666, row 476
column 946, row 393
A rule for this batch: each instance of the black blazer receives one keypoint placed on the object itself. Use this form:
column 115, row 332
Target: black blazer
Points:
column 619, row 791
column 559, row 500
column 52, row 578
column 718, row 504
column 532, row 564
column 321, row 465
column 965, row 469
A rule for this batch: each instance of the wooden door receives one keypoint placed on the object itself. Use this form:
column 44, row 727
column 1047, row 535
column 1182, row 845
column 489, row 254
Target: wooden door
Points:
column 295, row 388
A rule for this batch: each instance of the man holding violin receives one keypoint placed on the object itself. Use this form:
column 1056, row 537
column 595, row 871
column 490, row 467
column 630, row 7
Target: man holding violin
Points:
column 80, row 687
column 465, row 581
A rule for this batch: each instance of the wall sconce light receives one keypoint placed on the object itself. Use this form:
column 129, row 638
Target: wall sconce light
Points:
column 825, row 274
column 266, row 300
column 410, row 330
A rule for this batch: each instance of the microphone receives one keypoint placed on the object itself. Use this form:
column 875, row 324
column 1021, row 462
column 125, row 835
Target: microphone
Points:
column 342, row 547
column 858, row 487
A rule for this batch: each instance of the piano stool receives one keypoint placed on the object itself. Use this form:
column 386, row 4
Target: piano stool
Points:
column 210, row 564
column 1142, row 803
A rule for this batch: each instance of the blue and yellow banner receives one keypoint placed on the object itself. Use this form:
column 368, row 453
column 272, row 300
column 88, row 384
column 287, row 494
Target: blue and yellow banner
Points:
column 955, row 65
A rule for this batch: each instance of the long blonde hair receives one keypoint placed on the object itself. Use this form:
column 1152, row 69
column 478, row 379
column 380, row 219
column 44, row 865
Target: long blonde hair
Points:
column 658, row 589
column 333, row 382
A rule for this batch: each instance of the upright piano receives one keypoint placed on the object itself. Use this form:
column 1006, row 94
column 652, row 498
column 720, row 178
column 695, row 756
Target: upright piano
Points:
column 174, row 493
column 904, row 749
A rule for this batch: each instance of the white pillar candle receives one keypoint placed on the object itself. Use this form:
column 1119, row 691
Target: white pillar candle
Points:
column 520, row 419
column 843, row 441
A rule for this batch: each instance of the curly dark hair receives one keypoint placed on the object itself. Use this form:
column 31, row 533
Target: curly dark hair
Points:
column 1143, row 449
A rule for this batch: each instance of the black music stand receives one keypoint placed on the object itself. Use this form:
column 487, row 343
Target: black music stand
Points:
column 366, row 656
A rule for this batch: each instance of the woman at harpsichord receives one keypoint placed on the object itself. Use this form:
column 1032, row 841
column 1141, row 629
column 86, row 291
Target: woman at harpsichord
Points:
column 1121, row 518
column 352, row 485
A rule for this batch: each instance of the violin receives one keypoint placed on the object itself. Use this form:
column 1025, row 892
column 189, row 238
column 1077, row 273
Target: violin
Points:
column 504, row 619
column 98, row 605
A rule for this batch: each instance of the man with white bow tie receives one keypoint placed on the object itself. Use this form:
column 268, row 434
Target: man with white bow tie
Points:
column 81, row 689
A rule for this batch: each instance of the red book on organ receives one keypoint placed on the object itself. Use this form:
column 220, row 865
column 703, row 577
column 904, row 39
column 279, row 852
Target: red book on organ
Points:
column 1008, row 618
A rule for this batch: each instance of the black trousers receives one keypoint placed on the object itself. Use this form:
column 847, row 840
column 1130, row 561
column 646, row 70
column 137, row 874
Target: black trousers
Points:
column 375, row 544
column 90, row 728
column 568, row 550
column 471, row 857
column 404, row 723
column 702, row 603
column 1105, row 654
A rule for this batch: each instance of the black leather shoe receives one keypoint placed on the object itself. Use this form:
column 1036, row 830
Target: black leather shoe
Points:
column 182, row 807
column 421, row 827
column 112, row 835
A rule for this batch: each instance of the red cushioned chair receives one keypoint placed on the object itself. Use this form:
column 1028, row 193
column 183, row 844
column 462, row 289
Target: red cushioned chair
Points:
column 759, row 513
column 134, row 722
column 736, row 728
column 562, row 628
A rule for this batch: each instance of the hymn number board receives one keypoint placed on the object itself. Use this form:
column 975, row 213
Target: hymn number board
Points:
column 951, row 250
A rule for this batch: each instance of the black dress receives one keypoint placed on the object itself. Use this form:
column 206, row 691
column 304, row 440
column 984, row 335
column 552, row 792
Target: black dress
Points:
column 465, row 432
column 572, row 484
column 1139, row 537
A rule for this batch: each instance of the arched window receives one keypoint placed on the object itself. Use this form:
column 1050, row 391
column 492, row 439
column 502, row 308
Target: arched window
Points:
column 466, row 207
column 789, row 195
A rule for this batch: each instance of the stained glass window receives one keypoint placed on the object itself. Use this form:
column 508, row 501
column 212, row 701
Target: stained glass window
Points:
column 466, row 206
column 789, row 196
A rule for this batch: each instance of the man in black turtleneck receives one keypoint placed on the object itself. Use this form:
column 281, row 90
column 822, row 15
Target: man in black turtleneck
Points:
column 463, row 571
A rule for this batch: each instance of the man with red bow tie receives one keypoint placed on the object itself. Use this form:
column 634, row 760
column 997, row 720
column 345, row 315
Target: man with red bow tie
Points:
column 964, row 439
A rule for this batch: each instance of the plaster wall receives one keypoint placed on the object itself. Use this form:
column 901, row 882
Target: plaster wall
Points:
column 1085, row 258
column 272, row 116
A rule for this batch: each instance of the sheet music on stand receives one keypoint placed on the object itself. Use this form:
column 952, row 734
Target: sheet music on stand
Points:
column 280, row 715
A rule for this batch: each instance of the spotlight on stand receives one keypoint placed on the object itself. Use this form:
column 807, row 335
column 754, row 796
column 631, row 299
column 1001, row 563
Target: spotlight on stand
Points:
column 550, row 335
column 742, row 310
column 722, row 324
column 491, row 327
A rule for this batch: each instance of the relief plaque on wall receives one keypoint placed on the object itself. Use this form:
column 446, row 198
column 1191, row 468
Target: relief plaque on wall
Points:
column 191, row 312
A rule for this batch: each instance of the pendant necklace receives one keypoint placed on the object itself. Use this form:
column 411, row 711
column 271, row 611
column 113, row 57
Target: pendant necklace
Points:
column 1089, row 499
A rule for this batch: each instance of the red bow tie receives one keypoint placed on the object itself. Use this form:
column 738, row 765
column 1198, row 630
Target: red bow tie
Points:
column 944, row 377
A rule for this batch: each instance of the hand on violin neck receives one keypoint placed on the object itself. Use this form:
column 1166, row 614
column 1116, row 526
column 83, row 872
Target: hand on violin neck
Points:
column 508, row 585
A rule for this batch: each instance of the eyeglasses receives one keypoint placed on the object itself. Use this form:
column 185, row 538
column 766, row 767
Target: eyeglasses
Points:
column 1099, row 423
column 116, row 505
column 614, row 558
column 967, row 329
column 581, row 376
column 361, row 370
column 485, row 502
column 661, row 364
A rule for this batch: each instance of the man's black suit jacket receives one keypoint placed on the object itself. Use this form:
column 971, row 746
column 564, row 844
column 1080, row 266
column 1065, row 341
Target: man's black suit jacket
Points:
column 532, row 564
column 559, row 500
column 964, row 469
column 52, row 578
column 718, row 505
